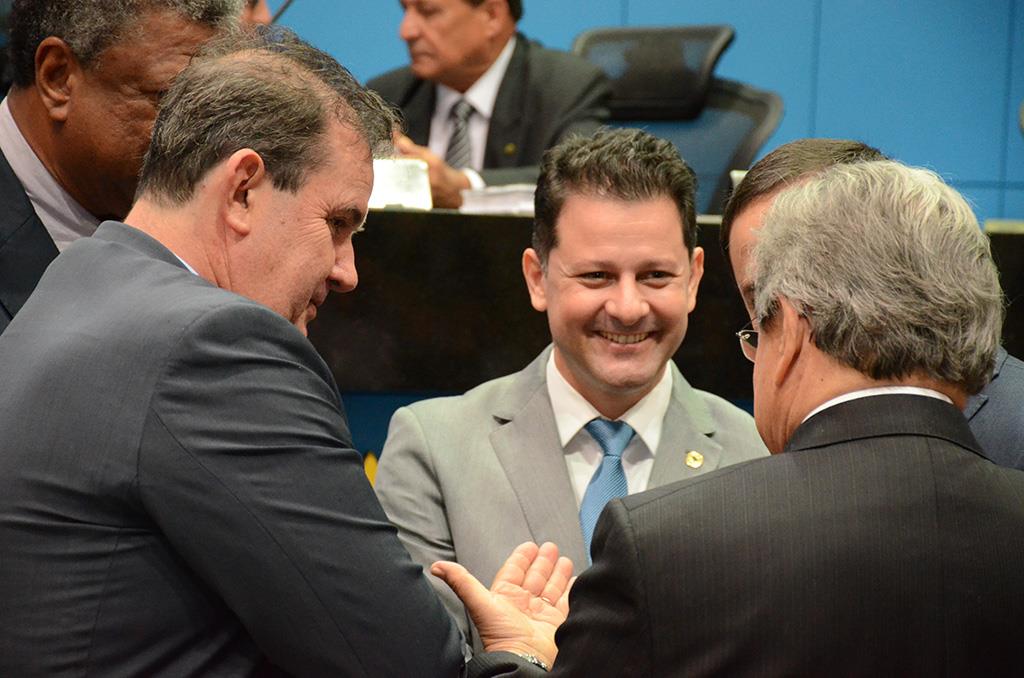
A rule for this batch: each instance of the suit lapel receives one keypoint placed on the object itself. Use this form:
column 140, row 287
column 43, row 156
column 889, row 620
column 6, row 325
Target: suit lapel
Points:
column 504, row 146
column 527, row 447
column 686, row 430
column 26, row 249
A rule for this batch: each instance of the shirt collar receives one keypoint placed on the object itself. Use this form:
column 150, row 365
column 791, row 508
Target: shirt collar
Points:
column 572, row 411
column 484, row 92
column 877, row 391
column 62, row 216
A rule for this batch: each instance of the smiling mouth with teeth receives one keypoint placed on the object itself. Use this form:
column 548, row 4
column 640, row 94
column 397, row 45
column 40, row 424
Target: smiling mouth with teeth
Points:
column 624, row 338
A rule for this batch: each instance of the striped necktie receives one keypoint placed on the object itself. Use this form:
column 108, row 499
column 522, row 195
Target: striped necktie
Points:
column 609, row 481
column 458, row 153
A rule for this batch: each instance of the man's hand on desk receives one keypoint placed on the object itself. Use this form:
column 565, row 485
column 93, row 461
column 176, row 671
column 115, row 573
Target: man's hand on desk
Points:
column 445, row 180
column 525, row 605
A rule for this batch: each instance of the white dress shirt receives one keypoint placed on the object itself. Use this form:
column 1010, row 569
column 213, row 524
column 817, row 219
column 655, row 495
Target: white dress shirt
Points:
column 583, row 454
column 64, row 219
column 877, row 391
column 481, row 95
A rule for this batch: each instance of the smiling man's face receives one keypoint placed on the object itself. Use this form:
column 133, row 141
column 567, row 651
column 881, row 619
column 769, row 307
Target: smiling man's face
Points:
column 617, row 289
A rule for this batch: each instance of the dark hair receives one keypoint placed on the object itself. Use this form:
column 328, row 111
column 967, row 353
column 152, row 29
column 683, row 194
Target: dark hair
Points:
column 786, row 164
column 629, row 164
column 515, row 7
column 267, row 90
column 90, row 26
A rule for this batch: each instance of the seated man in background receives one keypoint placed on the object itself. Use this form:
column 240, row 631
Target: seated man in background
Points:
column 481, row 102
column 996, row 414
column 535, row 455
column 178, row 490
column 76, row 123
column 877, row 541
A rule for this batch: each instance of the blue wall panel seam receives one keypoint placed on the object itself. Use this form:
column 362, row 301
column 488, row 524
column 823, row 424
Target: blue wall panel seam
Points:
column 815, row 68
column 1005, row 159
column 625, row 12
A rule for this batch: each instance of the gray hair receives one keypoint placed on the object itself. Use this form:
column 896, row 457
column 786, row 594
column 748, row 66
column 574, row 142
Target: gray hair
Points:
column 91, row 26
column 266, row 90
column 891, row 270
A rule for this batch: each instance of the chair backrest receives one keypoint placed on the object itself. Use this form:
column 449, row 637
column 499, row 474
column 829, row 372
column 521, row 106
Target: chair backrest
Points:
column 663, row 81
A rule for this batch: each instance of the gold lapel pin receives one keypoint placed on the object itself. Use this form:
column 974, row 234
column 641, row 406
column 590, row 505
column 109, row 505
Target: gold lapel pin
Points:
column 694, row 459
column 510, row 149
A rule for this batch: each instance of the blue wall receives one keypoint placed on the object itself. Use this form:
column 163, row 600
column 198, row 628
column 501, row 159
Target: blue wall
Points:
column 931, row 82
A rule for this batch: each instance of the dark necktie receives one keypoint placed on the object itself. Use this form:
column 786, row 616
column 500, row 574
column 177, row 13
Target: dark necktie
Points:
column 458, row 153
column 609, row 481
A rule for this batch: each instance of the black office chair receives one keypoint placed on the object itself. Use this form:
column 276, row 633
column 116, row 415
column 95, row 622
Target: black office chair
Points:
column 663, row 81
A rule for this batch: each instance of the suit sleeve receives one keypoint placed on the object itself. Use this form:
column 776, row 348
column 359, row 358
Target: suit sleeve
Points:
column 608, row 629
column 247, row 467
column 410, row 492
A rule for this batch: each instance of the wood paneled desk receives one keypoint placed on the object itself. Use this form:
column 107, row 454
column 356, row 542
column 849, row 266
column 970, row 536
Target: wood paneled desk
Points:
column 441, row 306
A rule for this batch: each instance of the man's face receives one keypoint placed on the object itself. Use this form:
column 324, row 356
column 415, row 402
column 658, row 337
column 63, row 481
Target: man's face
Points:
column 617, row 291
column 112, row 109
column 742, row 239
column 303, row 240
column 447, row 40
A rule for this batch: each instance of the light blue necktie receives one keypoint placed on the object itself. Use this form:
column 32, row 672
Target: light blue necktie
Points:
column 609, row 481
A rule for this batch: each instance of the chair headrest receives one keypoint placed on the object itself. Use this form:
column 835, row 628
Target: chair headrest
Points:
column 658, row 73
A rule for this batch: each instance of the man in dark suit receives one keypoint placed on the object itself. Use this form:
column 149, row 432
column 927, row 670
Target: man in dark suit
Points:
column 76, row 123
column 877, row 540
column 996, row 414
column 481, row 102
column 178, row 490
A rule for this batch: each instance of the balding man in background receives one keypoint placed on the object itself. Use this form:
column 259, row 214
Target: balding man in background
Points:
column 76, row 122
column 877, row 540
column 996, row 414
column 178, row 490
column 481, row 102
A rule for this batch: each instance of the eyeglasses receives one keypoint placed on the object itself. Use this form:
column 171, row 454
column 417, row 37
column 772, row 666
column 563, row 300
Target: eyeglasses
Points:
column 748, row 341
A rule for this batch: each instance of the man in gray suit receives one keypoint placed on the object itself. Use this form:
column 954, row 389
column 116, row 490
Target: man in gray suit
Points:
column 178, row 490
column 615, row 265
column 482, row 102
column 996, row 414
column 877, row 540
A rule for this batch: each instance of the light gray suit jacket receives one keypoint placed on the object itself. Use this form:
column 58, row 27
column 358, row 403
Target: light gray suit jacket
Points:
column 469, row 478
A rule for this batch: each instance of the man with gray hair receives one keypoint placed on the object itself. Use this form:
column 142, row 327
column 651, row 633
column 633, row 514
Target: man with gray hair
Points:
column 996, row 413
column 877, row 540
column 178, row 490
column 73, row 129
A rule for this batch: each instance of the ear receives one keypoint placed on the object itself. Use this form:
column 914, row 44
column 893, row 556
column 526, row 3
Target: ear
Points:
column 497, row 16
column 241, row 180
column 533, row 272
column 696, row 273
column 794, row 333
column 58, row 73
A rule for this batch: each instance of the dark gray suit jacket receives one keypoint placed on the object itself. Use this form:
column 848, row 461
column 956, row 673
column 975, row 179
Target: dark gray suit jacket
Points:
column 546, row 95
column 178, row 492
column 879, row 544
column 996, row 415
column 26, row 249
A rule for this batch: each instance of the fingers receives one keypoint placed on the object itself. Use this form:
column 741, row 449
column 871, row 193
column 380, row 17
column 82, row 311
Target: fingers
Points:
column 469, row 590
column 558, row 581
column 515, row 567
column 540, row 569
column 563, row 601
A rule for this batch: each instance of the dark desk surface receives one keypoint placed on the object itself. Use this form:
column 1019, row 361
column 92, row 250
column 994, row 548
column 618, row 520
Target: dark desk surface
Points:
column 441, row 306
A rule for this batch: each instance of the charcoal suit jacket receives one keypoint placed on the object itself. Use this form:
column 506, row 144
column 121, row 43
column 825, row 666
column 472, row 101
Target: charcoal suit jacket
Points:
column 545, row 96
column 26, row 249
column 179, row 494
column 881, row 543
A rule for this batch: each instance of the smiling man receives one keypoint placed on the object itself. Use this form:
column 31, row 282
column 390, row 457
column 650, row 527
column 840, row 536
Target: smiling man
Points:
column 482, row 102
column 604, row 412
column 74, row 127
column 178, row 490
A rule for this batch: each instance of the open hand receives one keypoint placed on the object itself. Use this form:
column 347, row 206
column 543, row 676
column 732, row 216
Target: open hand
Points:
column 527, row 602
